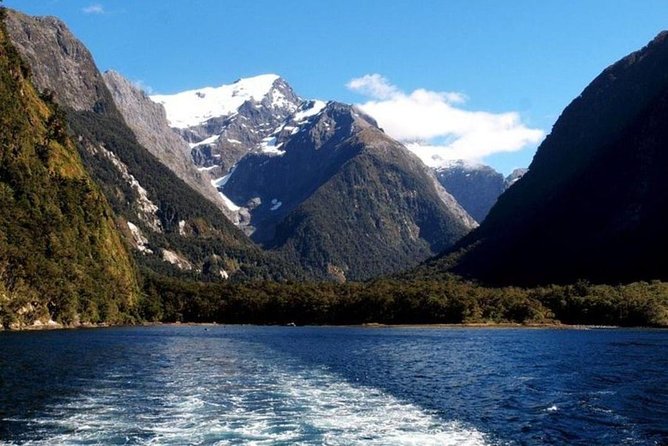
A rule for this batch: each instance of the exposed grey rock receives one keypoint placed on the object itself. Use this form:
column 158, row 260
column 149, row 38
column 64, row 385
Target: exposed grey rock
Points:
column 71, row 73
column 475, row 186
column 149, row 123
column 240, row 132
column 515, row 175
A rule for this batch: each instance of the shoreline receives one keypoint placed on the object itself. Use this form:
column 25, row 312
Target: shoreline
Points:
column 373, row 325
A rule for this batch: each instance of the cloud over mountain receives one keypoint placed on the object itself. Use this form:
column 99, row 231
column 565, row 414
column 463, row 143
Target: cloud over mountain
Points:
column 435, row 126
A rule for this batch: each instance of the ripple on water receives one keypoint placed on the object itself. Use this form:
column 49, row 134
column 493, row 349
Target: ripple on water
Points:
column 281, row 403
column 334, row 386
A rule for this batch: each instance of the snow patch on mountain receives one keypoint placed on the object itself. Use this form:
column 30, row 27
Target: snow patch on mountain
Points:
column 218, row 183
column 462, row 164
column 268, row 145
column 311, row 108
column 194, row 107
column 229, row 203
column 222, row 181
column 291, row 126
column 275, row 204
column 209, row 140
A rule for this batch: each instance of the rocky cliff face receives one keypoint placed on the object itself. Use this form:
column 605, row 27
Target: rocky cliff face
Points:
column 223, row 123
column 61, row 256
column 70, row 73
column 594, row 202
column 475, row 186
column 172, row 227
column 515, row 176
column 148, row 121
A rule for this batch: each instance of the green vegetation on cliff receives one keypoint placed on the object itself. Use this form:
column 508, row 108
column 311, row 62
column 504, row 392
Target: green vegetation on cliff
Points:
column 61, row 257
column 175, row 230
column 206, row 233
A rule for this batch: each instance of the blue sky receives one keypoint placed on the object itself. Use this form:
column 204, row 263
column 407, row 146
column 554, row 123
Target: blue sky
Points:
column 527, row 57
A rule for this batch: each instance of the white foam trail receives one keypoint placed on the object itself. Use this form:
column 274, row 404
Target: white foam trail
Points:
column 268, row 401
column 350, row 415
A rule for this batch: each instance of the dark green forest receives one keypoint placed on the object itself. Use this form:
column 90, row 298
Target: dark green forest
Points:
column 60, row 254
column 210, row 234
column 392, row 301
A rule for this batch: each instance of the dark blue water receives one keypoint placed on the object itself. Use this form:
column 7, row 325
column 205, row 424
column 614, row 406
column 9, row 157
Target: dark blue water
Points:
column 339, row 386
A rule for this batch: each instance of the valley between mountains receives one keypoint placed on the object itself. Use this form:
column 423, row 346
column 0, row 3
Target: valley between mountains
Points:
column 245, row 202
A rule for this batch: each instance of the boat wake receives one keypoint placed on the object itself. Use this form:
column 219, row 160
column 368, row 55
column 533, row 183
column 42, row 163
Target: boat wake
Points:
column 240, row 400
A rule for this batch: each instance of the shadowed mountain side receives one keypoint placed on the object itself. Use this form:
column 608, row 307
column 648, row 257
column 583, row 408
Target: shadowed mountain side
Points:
column 594, row 204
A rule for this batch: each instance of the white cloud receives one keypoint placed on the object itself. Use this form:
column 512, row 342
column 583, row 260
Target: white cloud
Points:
column 373, row 85
column 143, row 86
column 434, row 128
column 94, row 9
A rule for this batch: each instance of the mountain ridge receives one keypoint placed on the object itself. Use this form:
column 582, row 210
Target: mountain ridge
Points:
column 592, row 204
column 148, row 121
column 173, row 228
column 284, row 151
column 229, row 119
column 336, row 158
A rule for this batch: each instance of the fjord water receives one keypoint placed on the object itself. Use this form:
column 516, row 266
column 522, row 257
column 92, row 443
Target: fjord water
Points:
column 339, row 386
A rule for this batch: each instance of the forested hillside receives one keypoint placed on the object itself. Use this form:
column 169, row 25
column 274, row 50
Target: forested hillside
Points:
column 61, row 257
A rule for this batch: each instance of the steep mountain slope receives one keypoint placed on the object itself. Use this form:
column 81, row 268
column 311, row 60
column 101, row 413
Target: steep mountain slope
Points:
column 330, row 189
column 222, row 123
column 173, row 228
column 594, row 204
column 281, row 162
column 475, row 186
column 60, row 254
column 149, row 123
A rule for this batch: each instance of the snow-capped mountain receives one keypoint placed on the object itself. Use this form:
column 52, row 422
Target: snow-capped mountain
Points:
column 148, row 121
column 318, row 182
column 223, row 123
column 331, row 190
column 335, row 194
column 288, row 165
column 195, row 107
column 158, row 204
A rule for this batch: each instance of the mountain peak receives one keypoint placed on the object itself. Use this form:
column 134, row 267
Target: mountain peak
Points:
column 593, row 203
column 71, row 74
column 462, row 164
column 340, row 109
column 191, row 108
column 269, row 78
